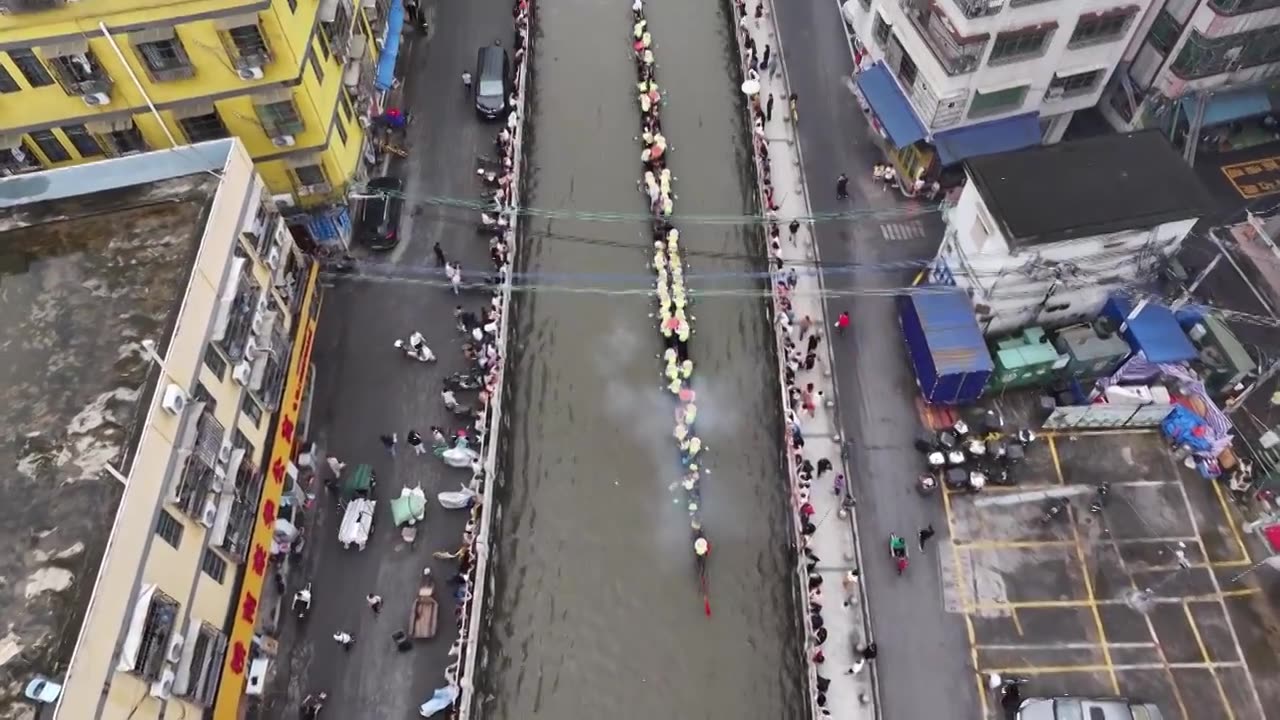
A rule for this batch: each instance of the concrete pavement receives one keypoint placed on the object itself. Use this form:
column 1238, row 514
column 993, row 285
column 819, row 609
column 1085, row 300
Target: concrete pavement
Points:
column 364, row 388
column 925, row 662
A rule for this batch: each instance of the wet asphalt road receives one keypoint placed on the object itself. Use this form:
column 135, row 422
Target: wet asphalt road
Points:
column 364, row 387
column 924, row 655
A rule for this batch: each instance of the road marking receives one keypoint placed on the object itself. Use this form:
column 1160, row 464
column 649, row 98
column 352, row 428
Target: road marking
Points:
column 1087, row 433
column 1051, row 670
column 1204, row 654
column 919, row 278
column 909, row 230
column 1066, row 646
column 968, row 617
column 980, row 544
column 1231, row 522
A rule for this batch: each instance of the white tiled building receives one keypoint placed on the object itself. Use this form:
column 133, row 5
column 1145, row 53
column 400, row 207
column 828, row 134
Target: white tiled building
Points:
column 952, row 79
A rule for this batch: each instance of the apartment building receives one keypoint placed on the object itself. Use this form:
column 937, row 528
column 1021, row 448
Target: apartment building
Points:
column 1204, row 70
column 153, row 307
column 946, row 80
column 80, row 81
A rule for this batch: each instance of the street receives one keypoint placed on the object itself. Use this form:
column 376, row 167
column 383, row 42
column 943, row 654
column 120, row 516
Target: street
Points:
column 365, row 387
column 924, row 664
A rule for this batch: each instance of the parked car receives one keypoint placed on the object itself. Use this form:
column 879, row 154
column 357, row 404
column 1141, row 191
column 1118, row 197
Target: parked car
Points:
column 1075, row 708
column 493, row 82
column 377, row 224
column 42, row 690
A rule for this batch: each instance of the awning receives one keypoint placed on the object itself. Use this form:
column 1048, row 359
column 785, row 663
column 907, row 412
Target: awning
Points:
column 988, row 138
column 329, row 226
column 890, row 106
column 1229, row 106
column 390, row 49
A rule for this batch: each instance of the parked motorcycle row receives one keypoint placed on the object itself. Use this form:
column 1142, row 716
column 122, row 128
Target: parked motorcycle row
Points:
column 964, row 459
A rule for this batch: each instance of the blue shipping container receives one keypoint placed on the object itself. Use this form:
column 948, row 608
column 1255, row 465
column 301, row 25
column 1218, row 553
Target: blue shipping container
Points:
column 945, row 345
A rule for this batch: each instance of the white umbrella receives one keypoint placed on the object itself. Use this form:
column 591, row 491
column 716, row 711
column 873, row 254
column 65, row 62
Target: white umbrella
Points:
column 751, row 87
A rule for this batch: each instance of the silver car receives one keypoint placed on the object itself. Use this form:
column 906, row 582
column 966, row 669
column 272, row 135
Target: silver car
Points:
column 1073, row 708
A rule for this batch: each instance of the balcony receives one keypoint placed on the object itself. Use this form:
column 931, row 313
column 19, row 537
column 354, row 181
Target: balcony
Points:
column 957, row 54
column 244, row 510
column 15, row 7
column 979, row 8
column 1241, row 7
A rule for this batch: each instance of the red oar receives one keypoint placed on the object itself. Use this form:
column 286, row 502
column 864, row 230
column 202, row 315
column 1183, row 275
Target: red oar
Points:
column 706, row 600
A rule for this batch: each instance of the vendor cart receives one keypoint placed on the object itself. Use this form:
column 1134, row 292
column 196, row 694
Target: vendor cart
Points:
column 357, row 507
column 408, row 510
column 422, row 618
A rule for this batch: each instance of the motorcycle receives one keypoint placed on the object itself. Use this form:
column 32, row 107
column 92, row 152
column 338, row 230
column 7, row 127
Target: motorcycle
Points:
column 416, row 348
column 452, row 405
column 460, row 499
column 1053, row 510
column 898, row 551
column 464, row 381
column 313, row 704
column 1101, row 498
column 301, row 605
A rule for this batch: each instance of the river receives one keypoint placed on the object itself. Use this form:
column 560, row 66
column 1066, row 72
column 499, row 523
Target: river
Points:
column 598, row 612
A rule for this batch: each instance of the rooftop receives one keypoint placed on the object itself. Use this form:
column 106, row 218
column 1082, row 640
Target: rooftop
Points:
column 83, row 279
column 1088, row 187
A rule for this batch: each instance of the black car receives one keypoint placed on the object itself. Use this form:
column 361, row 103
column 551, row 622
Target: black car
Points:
column 492, row 85
column 377, row 224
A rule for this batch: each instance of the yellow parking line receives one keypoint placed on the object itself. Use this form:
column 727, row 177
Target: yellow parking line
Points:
column 1231, row 520
column 1244, row 592
column 1057, row 462
column 1049, row 669
column 964, row 599
column 1027, row 605
column 1087, row 433
column 982, row 544
column 1231, row 563
column 1204, row 655
column 918, row 279
column 1017, row 624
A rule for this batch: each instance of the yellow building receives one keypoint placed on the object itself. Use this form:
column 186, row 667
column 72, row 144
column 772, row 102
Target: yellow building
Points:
column 155, row 326
column 80, row 81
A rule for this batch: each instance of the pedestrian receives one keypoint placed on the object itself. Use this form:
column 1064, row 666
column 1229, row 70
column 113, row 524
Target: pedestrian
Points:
column 850, row 586
column 768, row 109
column 794, row 227
column 838, row 484
column 824, row 465
column 389, row 442
column 842, row 187
column 764, row 58
column 820, row 636
column 813, row 342
column 335, row 466
column 415, row 442
column 375, row 602
column 795, row 111
column 439, row 251
column 870, row 651
column 842, row 322
column 810, row 361
column 759, row 13
column 437, row 437
column 806, row 324
column 925, row 533
column 808, row 401
column 466, row 80
column 455, row 277
column 344, row 639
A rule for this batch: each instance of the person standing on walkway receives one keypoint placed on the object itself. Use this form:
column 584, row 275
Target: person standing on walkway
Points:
column 466, row 80
column 437, row 437
column 838, row 484
column 768, row 109
column 759, row 13
column 824, row 466
column 415, row 442
column 806, row 324
column 344, row 639
column 389, row 442
column 439, row 251
column 336, row 466
column 794, row 227
column 842, row 187
column 764, row 58
column 375, row 602
column 813, row 342
column 454, row 272
column 795, row 111
column 925, row 533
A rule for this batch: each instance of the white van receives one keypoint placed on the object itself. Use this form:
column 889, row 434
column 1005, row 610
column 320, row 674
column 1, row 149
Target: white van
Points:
column 1073, row 708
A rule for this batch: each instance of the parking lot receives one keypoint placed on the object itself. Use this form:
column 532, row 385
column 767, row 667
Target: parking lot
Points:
column 1102, row 604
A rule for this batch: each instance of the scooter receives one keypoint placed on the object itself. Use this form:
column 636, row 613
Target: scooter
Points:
column 416, row 348
column 313, row 704
column 898, row 551
column 1053, row 510
column 1101, row 498
column 301, row 605
column 463, row 381
column 460, row 499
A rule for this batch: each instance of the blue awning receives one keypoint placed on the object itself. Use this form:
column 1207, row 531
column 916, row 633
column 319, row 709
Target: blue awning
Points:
column 988, row 138
column 1229, row 106
column 391, row 48
column 890, row 106
column 329, row 226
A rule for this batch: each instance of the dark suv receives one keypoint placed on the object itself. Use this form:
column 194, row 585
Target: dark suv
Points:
column 377, row 224
column 492, row 85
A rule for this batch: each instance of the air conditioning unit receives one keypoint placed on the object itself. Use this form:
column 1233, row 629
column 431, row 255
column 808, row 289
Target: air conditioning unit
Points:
column 96, row 99
column 1054, row 93
column 283, row 201
column 242, row 372
column 262, row 322
column 284, row 141
column 174, row 400
column 224, row 452
column 163, row 686
column 174, row 653
column 250, row 73
column 208, row 513
column 319, row 189
column 273, row 258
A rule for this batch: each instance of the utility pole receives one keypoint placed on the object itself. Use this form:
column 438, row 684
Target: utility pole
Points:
column 1186, row 294
column 1270, row 372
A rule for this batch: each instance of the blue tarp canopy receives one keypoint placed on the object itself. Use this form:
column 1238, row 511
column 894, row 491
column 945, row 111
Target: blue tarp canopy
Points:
column 955, row 338
column 329, row 226
column 988, row 138
column 1155, row 331
column 391, row 48
column 890, row 106
column 1229, row 106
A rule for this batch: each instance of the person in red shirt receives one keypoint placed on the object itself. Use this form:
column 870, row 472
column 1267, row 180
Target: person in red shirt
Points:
column 842, row 322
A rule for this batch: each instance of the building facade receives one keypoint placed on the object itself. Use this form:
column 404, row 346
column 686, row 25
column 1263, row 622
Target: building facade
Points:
column 150, row 626
column 1044, row 236
column 952, row 79
column 1203, row 70
column 290, row 78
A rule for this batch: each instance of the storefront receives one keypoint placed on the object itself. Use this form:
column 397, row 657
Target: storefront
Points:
column 243, row 649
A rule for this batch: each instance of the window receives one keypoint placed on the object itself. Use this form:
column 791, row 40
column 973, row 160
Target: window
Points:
column 18, row 158
column 203, row 395
column 315, row 68
column 31, row 68
column 215, row 362
column 50, row 145
column 1100, row 28
column 1164, row 32
column 1020, row 44
column 309, row 175
column 249, row 44
column 1202, row 56
column 251, row 410
column 169, row 529
column 336, row 32
column 1069, row 85
column 162, row 54
column 880, row 30
column 213, row 565
column 244, row 509
column 198, row 473
column 81, row 139
column 991, row 103
column 956, row 53
column 337, row 126
column 125, row 140
column 280, row 117
column 77, row 70
column 344, row 102
column 208, row 651
column 7, row 83
column 199, row 128
column 157, row 629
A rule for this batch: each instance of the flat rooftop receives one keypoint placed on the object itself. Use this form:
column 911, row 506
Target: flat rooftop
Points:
column 83, row 279
column 1088, row 187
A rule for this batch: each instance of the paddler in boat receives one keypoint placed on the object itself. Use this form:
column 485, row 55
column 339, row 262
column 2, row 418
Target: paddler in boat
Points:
column 689, row 450
column 701, row 549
